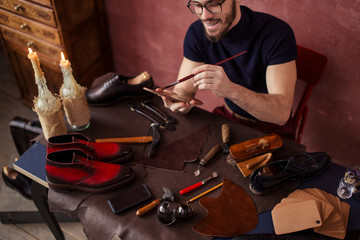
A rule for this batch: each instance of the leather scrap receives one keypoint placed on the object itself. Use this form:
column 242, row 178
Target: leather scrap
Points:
column 297, row 215
column 230, row 214
column 176, row 154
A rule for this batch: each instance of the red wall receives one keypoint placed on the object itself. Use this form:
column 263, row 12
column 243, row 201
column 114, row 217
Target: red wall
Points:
column 148, row 35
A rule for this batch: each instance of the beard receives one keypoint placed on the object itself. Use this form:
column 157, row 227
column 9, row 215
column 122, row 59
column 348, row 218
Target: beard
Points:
column 227, row 22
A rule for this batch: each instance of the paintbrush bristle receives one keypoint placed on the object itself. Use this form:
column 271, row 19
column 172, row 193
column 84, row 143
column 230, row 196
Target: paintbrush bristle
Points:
column 230, row 160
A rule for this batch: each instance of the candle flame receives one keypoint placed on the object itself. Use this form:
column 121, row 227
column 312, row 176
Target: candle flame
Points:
column 62, row 56
column 30, row 50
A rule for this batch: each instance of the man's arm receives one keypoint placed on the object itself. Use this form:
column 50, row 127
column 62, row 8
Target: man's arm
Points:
column 274, row 107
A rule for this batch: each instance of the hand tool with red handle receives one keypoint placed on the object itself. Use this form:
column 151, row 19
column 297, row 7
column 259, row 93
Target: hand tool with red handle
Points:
column 196, row 185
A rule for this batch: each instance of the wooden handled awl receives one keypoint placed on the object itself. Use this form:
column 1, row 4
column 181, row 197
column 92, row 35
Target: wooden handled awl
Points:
column 225, row 134
column 206, row 159
column 144, row 139
column 147, row 208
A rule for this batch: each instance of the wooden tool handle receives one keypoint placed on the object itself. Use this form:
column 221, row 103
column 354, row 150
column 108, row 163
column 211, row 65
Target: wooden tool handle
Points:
column 258, row 160
column 204, row 193
column 210, row 154
column 253, row 164
column 147, row 208
column 225, row 133
column 144, row 139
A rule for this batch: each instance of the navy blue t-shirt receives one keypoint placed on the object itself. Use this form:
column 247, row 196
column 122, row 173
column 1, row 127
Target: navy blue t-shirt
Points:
column 267, row 39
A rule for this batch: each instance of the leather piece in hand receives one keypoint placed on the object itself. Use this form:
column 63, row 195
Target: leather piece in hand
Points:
column 230, row 214
column 174, row 155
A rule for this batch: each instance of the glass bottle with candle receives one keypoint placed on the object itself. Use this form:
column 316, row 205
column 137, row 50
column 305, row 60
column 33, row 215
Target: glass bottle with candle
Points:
column 73, row 98
column 46, row 105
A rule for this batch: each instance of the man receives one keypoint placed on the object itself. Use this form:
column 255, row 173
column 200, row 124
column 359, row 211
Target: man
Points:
column 258, row 85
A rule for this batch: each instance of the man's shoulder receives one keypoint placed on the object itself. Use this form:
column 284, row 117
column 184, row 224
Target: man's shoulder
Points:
column 261, row 18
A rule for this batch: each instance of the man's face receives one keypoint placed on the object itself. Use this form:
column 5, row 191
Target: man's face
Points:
column 217, row 25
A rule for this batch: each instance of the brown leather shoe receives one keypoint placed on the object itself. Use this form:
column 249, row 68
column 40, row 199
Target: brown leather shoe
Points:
column 73, row 169
column 118, row 87
column 109, row 152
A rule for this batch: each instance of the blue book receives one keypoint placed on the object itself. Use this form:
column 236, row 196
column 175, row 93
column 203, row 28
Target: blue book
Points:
column 32, row 163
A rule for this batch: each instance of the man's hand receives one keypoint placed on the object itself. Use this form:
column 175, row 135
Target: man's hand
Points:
column 175, row 105
column 212, row 78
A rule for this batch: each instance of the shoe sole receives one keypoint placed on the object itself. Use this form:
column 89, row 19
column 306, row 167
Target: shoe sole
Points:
column 122, row 159
column 66, row 187
column 252, row 189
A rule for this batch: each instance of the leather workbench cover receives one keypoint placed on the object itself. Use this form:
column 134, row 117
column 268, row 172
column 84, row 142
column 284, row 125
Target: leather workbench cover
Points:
column 118, row 121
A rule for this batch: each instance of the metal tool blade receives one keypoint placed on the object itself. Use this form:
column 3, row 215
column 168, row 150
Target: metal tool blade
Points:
column 156, row 138
column 198, row 171
column 168, row 195
column 165, row 117
column 213, row 175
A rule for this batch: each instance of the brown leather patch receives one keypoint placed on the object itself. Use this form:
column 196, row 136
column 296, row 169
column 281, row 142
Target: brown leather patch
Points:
column 230, row 214
column 174, row 155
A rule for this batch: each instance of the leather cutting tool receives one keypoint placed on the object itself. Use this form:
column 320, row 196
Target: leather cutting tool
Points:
column 156, row 138
column 206, row 159
column 142, row 111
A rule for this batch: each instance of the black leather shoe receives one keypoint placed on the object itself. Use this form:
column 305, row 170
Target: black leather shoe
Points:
column 116, row 88
column 302, row 166
column 17, row 181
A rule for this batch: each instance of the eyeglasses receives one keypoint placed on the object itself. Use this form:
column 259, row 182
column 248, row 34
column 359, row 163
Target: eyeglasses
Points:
column 197, row 8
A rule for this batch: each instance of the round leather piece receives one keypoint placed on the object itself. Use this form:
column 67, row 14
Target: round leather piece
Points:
column 230, row 214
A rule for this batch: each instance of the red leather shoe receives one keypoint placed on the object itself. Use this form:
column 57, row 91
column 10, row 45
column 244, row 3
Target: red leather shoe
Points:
column 106, row 152
column 73, row 169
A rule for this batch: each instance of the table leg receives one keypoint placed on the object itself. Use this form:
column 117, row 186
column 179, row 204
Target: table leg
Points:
column 38, row 193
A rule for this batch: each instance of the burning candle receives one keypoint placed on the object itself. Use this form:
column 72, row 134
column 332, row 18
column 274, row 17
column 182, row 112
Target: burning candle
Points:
column 70, row 87
column 46, row 105
column 36, row 65
column 45, row 101
column 73, row 98
column 65, row 65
